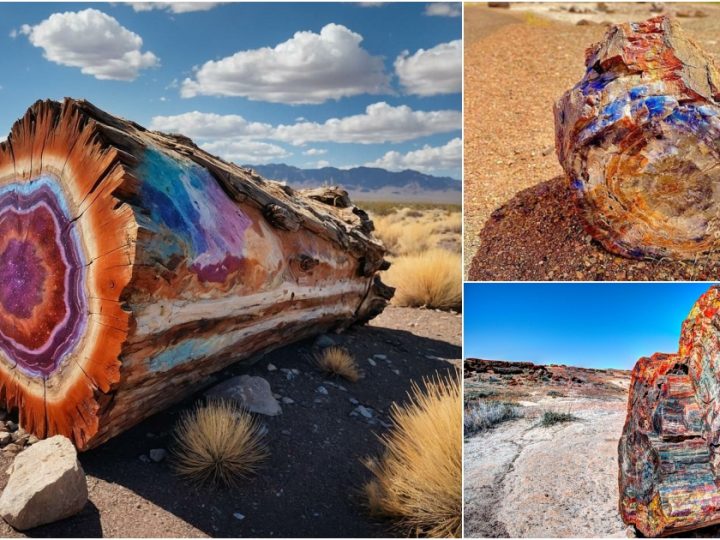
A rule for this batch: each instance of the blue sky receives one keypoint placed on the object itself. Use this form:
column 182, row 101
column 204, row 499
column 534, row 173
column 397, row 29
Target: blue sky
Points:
column 600, row 325
column 258, row 92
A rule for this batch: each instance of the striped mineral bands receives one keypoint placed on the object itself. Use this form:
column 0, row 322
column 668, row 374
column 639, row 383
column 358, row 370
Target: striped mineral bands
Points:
column 637, row 138
column 41, row 277
column 669, row 453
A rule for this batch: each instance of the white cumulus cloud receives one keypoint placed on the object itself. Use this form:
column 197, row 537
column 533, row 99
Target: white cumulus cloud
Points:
column 198, row 125
column 308, row 68
column 246, row 151
column 92, row 41
column 432, row 71
column 313, row 151
column 173, row 7
column 443, row 9
column 427, row 159
column 380, row 123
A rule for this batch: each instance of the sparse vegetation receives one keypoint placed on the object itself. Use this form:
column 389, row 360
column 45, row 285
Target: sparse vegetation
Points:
column 418, row 480
column 555, row 393
column 550, row 418
column 338, row 362
column 433, row 280
column 474, row 395
column 217, row 443
column 423, row 243
column 485, row 415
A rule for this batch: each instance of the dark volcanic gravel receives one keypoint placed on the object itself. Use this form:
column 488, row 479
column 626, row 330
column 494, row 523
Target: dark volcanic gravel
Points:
column 538, row 235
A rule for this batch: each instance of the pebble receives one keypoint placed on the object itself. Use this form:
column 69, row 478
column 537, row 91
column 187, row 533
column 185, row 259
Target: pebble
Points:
column 380, row 356
column 5, row 438
column 285, row 432
column 396, row 371
column 372, row 362
column 288, row 401
column 238, row 515
column 271, row 367
column 324, row 341
column 157, row 454
column 363, row 411
column 144, row 458
column 322, row 390
column 354, row 401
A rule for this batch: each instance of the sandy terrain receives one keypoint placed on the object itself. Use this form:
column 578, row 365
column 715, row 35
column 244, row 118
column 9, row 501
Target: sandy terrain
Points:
column 518, row 61
column 310, row 485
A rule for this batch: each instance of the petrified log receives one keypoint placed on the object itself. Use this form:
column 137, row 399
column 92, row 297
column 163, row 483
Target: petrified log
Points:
column 669, row 452
column 638, row 140
column 133, row 265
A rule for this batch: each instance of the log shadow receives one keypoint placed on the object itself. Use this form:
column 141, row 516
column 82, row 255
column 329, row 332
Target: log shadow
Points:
column 311, row 484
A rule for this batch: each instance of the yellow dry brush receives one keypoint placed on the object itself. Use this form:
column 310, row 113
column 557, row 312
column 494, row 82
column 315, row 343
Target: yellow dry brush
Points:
column 418, row 479
column 338, row 362
column 217, row 443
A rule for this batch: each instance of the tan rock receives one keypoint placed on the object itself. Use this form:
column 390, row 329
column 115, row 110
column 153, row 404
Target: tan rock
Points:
column 46, row 484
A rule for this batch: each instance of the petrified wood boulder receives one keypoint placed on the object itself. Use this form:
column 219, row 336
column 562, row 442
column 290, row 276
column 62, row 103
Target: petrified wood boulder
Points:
column 638, row 140
column 133, row 265
column 669, row 452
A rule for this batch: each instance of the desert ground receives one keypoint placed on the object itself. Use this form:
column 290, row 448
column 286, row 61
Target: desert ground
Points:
column 523, row 479
column 518, row 61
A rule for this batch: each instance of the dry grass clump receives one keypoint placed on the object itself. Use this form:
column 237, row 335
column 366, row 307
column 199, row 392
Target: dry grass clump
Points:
column 485, row 415
column 409, row 232
column 217, row 443
column 432, row 279
column 418, row 479
column 338, row 362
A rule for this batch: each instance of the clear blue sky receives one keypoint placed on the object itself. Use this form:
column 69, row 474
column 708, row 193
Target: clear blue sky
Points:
column 43, row 58
column 599, row 325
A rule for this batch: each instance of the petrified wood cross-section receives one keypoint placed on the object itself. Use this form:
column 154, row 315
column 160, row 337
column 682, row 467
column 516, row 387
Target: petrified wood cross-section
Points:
column 133, row 265
column 638, row 140
column 669, row 452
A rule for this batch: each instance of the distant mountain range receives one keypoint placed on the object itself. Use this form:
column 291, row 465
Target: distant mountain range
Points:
column 369, row 183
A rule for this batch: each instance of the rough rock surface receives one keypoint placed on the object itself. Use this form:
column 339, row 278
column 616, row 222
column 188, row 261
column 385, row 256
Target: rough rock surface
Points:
column 637, row 138
column 669, row 451
column 46, row 484
column 252, row 393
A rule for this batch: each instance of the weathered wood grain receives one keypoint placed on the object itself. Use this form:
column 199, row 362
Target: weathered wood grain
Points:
column 133, row 265
column 638, row 140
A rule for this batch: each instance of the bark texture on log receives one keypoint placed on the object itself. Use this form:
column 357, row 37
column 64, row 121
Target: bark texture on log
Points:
column 133, row 264
column 669, row 452
column 638, row 140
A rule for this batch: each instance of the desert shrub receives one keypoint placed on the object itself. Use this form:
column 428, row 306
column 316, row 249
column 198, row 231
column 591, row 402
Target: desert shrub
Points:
column 550, row 418
column 417, row 481
column 217, row 443
column 338, row 362
column 555, row 393
column 474, row 395
column 432, row 279
column 484, row 415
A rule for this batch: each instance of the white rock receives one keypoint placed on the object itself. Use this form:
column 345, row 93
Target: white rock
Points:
column 46, row 484
column 252, row 393
column 157, row 454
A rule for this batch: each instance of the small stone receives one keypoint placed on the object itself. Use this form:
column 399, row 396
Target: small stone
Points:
column 33, row 440
column 322, row 390
column 288, row 401
column 46, row 484
column 285, row 432
column 144, row 458
column 396, row 371
column 157, row 454
column 238, row 515
column 271, row 367
column 354, row 401
column 364, row 411
column 380, row 356
column 251, row 393
column 372, row 362
column 5, row 438
column 324, row 341
column 12, row 449
column 317, row 400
